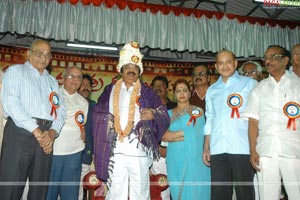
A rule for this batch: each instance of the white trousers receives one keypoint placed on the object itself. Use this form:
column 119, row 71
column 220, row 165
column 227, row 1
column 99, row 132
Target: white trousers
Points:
column 130, row 178
column 272, row 170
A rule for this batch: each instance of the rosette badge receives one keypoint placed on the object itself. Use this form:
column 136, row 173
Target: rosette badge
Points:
column 292, row 111
column 54, row 101
column 80, row 119
column 194, row 112
column 235, row 101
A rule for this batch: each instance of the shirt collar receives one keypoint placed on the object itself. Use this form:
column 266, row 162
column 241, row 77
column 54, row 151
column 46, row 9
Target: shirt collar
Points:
column 286, row 76
column 66, row 93
column 30, row 66
column 232, row 78
column 291, row 71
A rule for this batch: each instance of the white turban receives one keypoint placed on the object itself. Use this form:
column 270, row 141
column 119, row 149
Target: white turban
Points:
column 130, row 53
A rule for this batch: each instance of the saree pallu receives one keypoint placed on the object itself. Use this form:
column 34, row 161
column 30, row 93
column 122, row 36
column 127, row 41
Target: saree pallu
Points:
column 188, row 177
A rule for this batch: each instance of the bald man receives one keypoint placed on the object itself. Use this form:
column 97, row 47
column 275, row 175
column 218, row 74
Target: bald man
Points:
column 295, row 68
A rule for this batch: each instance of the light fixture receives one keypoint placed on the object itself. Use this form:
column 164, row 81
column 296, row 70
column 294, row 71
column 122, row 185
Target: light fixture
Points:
column 87, row 46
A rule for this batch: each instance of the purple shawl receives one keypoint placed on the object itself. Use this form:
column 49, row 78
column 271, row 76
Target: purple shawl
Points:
column 105, row 137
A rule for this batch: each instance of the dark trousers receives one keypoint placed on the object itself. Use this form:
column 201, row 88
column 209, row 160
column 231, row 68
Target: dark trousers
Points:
column 22, row 158
column 228, row 170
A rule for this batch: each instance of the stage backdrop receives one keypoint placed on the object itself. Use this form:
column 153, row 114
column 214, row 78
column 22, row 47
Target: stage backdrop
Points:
column 102, row 69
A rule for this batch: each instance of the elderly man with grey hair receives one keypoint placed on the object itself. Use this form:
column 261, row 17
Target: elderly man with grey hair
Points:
column 35, row 115
column 251, row 69
column 295, row 58
column 68, row 147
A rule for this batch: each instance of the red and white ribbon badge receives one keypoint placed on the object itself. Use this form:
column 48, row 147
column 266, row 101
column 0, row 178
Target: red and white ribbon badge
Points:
column 54, row 100
column 194, row 113
column 80, row 119
column 292, row 111
column 235, row 101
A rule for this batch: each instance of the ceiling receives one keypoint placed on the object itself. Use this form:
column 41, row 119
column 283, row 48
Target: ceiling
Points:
column 237, row 7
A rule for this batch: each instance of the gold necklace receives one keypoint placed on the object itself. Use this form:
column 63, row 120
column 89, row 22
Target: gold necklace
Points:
column 116, row 110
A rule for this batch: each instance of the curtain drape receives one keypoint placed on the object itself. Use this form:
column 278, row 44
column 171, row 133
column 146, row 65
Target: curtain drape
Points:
column 52, row 20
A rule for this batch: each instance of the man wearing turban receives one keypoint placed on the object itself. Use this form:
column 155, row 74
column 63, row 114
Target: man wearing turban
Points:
column 128, row 123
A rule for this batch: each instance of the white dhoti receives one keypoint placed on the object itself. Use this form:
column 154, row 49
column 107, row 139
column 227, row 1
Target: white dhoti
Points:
column 130, row 178
column 272, row 170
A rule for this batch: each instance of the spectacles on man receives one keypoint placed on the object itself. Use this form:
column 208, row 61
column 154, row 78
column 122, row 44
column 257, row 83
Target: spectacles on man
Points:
column 199, row 74
column 40, row 54
column 272, row 57
column 72, row 76
column 248, row 73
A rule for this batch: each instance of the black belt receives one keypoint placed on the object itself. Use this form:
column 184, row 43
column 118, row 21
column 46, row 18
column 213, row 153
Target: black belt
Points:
column 43, row 122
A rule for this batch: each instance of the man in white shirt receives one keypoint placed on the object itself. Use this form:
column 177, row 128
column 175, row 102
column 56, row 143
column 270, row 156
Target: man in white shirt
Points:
column 68, row 147
column 295, row 68
column 274, row 132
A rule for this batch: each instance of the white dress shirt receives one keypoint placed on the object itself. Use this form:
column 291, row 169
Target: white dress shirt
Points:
column 130, row 145
column 265, row 103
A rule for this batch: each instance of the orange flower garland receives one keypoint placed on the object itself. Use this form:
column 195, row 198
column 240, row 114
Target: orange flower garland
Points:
column 116, row 110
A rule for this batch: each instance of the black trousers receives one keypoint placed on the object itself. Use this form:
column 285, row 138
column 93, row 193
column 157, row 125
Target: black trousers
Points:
column 22, row 158
column 228, row 171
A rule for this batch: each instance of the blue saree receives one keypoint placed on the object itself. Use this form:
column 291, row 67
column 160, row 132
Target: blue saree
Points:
column 188, row 177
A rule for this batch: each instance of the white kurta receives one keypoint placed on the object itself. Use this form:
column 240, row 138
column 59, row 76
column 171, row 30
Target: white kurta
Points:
column 277, row 146
column 130, row 177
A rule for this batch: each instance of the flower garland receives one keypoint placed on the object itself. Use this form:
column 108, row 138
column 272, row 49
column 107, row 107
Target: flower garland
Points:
column 116, row 110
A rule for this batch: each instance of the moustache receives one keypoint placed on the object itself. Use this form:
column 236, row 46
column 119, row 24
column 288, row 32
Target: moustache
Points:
column 133, row 73
column 158, row 90
column 198, row 79
column 86, row 90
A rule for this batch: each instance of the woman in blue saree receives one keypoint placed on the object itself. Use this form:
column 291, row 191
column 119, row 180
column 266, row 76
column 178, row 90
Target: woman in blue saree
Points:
column 188, row 177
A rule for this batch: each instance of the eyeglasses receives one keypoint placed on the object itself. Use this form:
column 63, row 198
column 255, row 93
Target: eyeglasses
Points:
column 272, row 57
column 72, row 76
column 199, row 73
column 247, row 73
column 40, row 54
